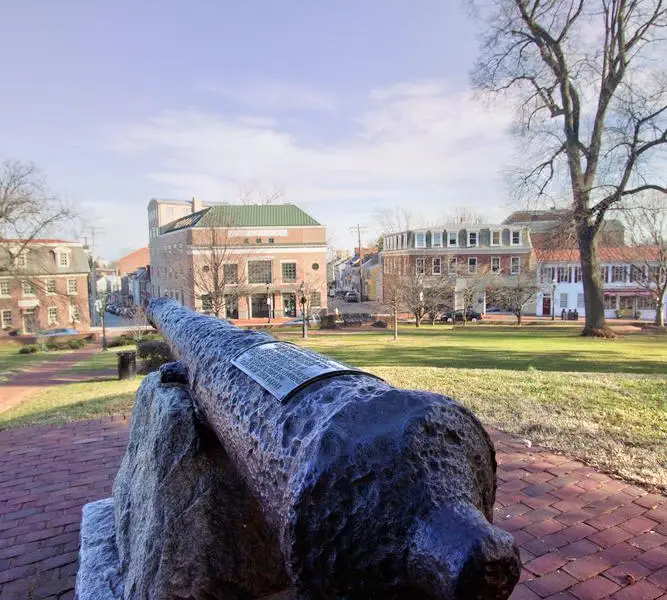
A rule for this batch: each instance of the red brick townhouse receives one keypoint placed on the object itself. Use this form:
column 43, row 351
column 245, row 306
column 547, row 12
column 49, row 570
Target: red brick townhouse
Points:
column 43, row 285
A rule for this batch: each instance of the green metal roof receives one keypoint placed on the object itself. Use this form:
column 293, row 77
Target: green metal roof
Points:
column 240, row 215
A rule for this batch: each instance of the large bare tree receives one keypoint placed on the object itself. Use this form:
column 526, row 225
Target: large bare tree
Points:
column 592, row 107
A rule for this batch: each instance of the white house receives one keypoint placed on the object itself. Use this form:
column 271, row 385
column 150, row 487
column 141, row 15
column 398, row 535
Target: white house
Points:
column 623, row 272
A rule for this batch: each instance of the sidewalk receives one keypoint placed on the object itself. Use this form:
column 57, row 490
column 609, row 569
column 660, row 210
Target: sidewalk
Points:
column 583, row 535
column 52, row 372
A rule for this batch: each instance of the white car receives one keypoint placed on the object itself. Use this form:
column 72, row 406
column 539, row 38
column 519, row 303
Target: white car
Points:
column 58, row 332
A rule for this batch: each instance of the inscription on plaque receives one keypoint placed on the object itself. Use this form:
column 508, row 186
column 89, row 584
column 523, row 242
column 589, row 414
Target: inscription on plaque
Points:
column 283, row 369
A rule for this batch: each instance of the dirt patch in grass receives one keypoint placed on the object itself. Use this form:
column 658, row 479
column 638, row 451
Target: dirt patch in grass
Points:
column 617, row 423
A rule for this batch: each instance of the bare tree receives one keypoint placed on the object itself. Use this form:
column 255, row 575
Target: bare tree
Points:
column 464, row 214
column 392, row 297
column 470, row 285
column 217, row 274
column 394, row 220
column 254, row 192
column 648, row 233
column 592, row 110
column 514, row 293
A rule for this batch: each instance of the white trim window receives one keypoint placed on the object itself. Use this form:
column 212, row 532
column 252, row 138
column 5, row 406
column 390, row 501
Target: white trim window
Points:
column 495, row 264
column 576, row 275
column 420, row 240
column 515, row 265
column 580, row 301
column 74, row 313
column 452, row 265
column 452, row 239
column 50, row 286
column 53, row 315
column 63, row 259
column 419, row 266
column 27, row 288
column 436, row 239
column 288, row 271
column 5, row 288
column 563, row 274
column 515, row 237
column 473, row 239
column 563, row 300
column 21, row 261
column 6, row 318
column 472, row 264
column 437, row 266
column 496, row 237
column 72, row 287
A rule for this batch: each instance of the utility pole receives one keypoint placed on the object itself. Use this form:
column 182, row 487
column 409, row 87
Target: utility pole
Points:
column 358, row 229
column 93, row 288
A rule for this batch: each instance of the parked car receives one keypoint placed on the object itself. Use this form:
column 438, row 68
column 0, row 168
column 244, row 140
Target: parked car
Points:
column 352, row 297
column 457, row 316
column 312, row 320
column 58, row 332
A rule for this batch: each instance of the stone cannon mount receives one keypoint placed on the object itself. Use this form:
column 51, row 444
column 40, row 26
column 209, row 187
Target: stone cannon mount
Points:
column 349, row 488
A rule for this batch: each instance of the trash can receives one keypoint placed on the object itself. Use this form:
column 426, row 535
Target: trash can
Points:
column 127, row 364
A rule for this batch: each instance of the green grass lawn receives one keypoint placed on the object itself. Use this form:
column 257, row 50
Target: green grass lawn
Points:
column 11, row 361
column 601, row 401
column 101, row 360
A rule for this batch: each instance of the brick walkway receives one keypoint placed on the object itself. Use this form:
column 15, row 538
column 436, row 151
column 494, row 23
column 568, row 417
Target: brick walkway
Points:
column 583, row 536
column 51, row 372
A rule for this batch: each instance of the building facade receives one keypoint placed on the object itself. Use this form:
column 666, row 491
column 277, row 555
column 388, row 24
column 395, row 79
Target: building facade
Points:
column 43, row 285
column 626, row 294
column 462, row 252
column 262, row 259
column 161, row 212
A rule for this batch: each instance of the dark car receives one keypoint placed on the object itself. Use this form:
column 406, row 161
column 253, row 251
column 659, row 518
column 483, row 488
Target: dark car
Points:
column 457, row 316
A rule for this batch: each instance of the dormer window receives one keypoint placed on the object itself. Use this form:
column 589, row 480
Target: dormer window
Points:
column 472, row 239
column 516, row 238
column 420, row 240
column 21, row 261
column 495, row 238
column 63, row 259
column 452, row 238
column 436, row 239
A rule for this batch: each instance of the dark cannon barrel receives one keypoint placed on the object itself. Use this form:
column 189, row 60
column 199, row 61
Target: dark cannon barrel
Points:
column 374, row 492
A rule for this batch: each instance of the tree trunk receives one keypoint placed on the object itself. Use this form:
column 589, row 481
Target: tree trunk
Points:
column 596, row 323
column 395, row 324
column 660, row 309
column 518, row 318
column 417, row 321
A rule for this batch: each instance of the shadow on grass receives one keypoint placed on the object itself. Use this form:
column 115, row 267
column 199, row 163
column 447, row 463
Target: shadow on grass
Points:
column 95, row 408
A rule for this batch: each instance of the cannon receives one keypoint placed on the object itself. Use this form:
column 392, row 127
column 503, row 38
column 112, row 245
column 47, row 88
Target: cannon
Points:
column 371, row 491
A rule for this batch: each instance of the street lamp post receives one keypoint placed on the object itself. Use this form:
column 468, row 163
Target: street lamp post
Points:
column 304, row 318
column 553, row 300
column 268, row 305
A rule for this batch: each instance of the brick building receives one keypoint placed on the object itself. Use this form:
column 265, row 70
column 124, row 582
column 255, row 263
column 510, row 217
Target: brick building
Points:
column 136, row 259
column 459, row 251
column 43, row 285
column 258, row 257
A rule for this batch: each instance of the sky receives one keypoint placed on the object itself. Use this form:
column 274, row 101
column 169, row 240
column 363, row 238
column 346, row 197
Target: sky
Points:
column 347, row 107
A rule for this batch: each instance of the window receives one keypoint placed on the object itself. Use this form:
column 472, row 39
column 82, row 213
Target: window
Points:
column 472, row 264
column 495, row 264
column 563, row 300
column 580, row 301
column 72, row 286
column 618, row 273
column 576, row 275
column 516, row 238
column 563, row 275
column 206, row 269
column 419, row 266
column 246, row 240
column 645, row 303
column 230, row 273
column 288, row 271
column 5, row 289
column 420, row 240
column 436, row 239
column 21, row 260
column 609, row 302
column 64, row 259
column 547, row 274
column 6, row 319
column 53, row 315
column 206, row 303
column 28, row 288
column 258, row 240
column 472, row 238
column 315, row 266
column 315, row 299
column 604, row 274
column 259, row 271
column 515, row 265
column 451, row 269
column 437, row 266
column 637, row 274
column 271, row 241
column 74, row 313
column 495, row 238
column 50, row 286
column 452, row 238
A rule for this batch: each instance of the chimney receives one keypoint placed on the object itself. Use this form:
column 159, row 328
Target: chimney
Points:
column 196, row 205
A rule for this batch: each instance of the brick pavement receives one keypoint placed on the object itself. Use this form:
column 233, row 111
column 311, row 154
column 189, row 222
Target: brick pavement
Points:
column 583, row 535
